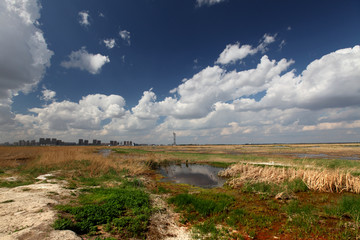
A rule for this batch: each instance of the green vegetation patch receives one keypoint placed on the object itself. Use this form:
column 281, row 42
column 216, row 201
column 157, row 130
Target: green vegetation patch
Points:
column 271, row 189
column 123, row 211
column 301, row 216
column 201, row 205
column 347, row 206
column 210, row 230
column 221, row 164
column 130, row 151
column 12, row 184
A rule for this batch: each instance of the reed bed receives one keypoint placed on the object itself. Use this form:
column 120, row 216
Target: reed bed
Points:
column 73, row 160
column 316, row 180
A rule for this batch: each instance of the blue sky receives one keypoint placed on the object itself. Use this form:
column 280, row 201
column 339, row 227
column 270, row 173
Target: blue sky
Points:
column 213, row 71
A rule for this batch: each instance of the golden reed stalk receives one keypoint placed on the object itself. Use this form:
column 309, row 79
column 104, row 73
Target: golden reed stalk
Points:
column 316, row 180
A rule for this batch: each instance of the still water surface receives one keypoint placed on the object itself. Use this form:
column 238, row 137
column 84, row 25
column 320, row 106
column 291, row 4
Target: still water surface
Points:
column 199, row 175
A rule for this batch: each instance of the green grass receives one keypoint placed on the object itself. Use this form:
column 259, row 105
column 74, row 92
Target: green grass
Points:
column 235, row 217
column 209, row 230
column 328, row 163
column 12, row 184
column 296, row 185
column 221, row 164
column 130, row 151
column 124, row 211
column 347, row 206
column 266, row 189
column 301, row 216
column 271, row 189
column 350, row 205
column 201, row 205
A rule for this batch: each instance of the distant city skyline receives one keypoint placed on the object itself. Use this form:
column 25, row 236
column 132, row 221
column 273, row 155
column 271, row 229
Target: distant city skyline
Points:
column 214, row 72
column 59, row 142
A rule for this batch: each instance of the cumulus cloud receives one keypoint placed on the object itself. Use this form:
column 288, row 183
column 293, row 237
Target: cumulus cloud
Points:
column 86, row 61
column 266, row 103
column 234, row 52
column 86, row 114
column 48, row 95
column 84, row 18
column 198, row 95
column 145, row 107
column 200, row 3
column 329, row 82
column 6, row 116
column 125, row 35
column 110, row 43
column 24, row 54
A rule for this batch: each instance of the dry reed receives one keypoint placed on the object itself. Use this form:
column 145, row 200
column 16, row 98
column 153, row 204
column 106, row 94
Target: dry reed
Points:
column 76, row 160
column 316, row 180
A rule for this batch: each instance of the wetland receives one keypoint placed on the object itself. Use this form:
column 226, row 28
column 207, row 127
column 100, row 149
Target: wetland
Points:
column 174, row 192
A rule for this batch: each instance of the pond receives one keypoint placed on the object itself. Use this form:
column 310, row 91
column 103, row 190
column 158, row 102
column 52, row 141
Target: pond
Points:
column 105, row 152
column 199, row 175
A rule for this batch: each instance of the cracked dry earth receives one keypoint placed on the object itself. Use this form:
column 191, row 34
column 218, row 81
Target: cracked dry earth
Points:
column 27, row 212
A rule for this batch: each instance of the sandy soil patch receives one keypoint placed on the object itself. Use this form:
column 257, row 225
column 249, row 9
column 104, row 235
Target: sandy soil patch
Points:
column 164, row 222
column 26, row 212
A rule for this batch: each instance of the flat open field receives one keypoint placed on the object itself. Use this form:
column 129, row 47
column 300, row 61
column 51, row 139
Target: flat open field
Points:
column 288, row 191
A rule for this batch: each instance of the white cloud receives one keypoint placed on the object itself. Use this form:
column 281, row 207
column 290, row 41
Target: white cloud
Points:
column 145, row 107
column 6, row 116
column 86, row 114
column 214, row 105
column 264, row 42
column 331, row 125
column 198, row 95
column 208, row 2
column 329, row 82
column 282, row 44
column 24, row 54
column 110, row 43
column 235, row 52
column 125, row 35
column 84, row 18
column 86, row 61
column 48, row 95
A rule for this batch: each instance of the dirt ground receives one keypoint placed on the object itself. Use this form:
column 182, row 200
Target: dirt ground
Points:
column 164, row 222
column 27, row 212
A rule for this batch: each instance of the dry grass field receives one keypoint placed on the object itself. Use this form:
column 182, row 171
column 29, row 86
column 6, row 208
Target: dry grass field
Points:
column 288, row 191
